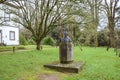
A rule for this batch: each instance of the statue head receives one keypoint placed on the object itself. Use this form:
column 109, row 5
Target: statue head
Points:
column 66, row 38
column 65, row 33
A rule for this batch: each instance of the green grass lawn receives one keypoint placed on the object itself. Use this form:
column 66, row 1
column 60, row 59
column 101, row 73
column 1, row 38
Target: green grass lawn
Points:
column 28, row 65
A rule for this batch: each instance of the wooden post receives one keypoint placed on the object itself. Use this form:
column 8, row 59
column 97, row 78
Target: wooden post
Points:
column 13, row 49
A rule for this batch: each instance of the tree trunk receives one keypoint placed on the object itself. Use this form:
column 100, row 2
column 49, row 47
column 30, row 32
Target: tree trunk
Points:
column 87, row 41
column 38, row 45
column 112, row 32
column 112, row 38
column 95, row 36
column 96, row 21
column 95, row 40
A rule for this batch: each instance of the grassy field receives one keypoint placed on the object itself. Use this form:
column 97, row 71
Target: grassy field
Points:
column 28, row 65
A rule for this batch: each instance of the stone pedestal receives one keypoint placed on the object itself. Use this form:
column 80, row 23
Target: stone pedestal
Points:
column 74, row 67
column 66, row 53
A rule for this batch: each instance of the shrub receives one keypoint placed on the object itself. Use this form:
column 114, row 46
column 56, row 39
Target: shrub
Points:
column 31, row 41
column 49, row 41
column 23, row 41
column 102, row 39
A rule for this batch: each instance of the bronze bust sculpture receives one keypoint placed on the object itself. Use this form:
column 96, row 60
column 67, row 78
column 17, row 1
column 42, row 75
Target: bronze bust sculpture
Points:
column 66, row 38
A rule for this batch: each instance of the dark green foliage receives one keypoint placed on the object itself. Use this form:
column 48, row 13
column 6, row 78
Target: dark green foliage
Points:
column 49, row 41
column 102, row 39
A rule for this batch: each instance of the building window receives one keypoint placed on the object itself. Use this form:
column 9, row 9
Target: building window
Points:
column 12, row 35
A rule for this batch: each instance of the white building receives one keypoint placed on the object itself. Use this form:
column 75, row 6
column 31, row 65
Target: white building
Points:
column 9, row 31
column 9, row 35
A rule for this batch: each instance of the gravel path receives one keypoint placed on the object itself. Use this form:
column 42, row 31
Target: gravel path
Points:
column 48, row 77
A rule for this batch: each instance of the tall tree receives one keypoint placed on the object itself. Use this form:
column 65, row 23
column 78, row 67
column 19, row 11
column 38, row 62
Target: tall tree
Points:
column 94, row 6
column 110, row 10
column 38, row 16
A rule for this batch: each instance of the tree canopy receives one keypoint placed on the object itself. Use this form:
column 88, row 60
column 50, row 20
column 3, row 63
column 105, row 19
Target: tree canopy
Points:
column 81, row 17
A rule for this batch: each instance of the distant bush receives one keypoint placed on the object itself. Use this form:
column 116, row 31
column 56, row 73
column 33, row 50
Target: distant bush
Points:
column 49, row 41
column 31, row 41
column 23, row 41
column 102, row 39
